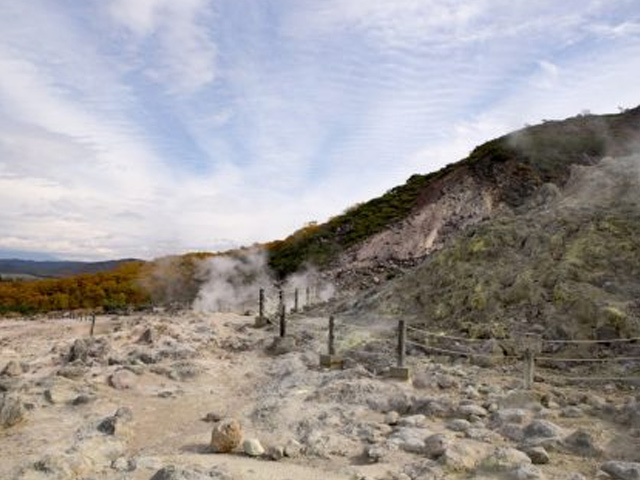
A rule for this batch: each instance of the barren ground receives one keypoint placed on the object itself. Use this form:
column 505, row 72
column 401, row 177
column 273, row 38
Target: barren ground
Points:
column 197, row 364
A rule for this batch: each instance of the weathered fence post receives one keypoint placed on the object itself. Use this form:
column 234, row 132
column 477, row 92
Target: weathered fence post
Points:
column 331, row 359
column 261, row 320
column 402, row 346
column 261, row 303
column 332, row 337
column 93, row 324
column 283, row 313
column 295, row 301
column 308, row 292
column 400, row 371
column 531, row 346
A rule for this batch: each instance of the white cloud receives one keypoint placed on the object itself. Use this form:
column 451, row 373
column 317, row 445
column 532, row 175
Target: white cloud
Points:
column 321, row 105
column 185, row 58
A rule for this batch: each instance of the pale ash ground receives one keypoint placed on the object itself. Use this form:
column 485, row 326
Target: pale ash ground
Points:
column 218, row 363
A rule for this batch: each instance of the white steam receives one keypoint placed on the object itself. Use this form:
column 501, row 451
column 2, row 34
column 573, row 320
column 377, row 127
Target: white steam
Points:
column 232, row 283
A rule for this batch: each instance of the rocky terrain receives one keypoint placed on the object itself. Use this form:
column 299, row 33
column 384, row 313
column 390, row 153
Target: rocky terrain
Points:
column 208, row 396
column 566, row 264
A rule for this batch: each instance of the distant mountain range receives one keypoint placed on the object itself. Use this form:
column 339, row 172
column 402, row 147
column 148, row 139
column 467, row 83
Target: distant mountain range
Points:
column 25, row 269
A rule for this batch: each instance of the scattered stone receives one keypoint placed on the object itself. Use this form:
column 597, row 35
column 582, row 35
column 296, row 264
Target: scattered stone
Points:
column 504, row 459
column 459, row 425
column 253, row 447
column 622, row 470
column 62, row 466
column 576, row 476
column 123, row 464
column 572, row 412
column 148, row 337
column 447, row 382
column 226, row 436
column 376, row 453
column 413, row 421
column 538, row 455
column 423, row 380
column 282, row 346
column 293, row 448
column 82, row 399
column 118, row 423
column 512, row 432
column 508, row 415
column 391, row 418
column 72, row 372
column 472, row 410
column 275, row 452
column 519, row 399
column 212, row 417
column 422, row 470
column 172, row 472
column 542, row 429
column 581, row 443
column 12, row 369
column 184, row 370
column 436, row 445
column 462, row 457
column 482, row 435
column 526, row 472
column 123, row 379
column 84, row 350
column 409, row 439
column 12, row 410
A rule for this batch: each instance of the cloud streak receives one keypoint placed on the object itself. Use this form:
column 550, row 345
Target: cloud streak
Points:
column 152, row 127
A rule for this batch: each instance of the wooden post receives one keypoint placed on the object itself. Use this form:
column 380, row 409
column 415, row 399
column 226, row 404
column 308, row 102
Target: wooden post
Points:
column 260, row 320
column 308, row 302
column 331, row 359
column 93, row 324
column 529, row 369
column 295, row 301
column 283, row 313
column 532, row 344
column 402, row 332
column 332, row 338
column 400, row 371
column 261, row 305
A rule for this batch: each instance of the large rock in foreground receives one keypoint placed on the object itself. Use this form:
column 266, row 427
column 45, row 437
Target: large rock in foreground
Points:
column 11, row 410
column 226, row 436
column 622, row 470
column 173, row 472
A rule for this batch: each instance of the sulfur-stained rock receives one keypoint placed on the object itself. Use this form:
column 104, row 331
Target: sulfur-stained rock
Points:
column 226, row 436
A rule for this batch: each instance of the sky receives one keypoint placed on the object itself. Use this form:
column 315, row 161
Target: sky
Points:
column 140, row 128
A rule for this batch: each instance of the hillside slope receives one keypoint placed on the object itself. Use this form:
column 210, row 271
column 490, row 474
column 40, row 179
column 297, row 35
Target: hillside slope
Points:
column 569, row 263
column 377, row 239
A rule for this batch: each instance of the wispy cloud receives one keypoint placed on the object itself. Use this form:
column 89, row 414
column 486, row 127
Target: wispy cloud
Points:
column 138, row 128
column 177, row 37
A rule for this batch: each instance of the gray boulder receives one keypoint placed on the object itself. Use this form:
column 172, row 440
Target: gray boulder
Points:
column 581, row 443
column 173, row 472
column 621, row 470
column 12, row 369
column 12, row 410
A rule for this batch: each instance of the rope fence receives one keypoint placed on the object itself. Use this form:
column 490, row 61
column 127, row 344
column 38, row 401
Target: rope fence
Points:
column 613, row 340
column 526, row 348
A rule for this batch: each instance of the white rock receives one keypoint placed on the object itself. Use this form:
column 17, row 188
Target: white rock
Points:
column 253, row 447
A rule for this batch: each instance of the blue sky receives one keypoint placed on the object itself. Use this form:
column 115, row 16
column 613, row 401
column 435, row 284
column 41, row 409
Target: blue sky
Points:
column 146, row 127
